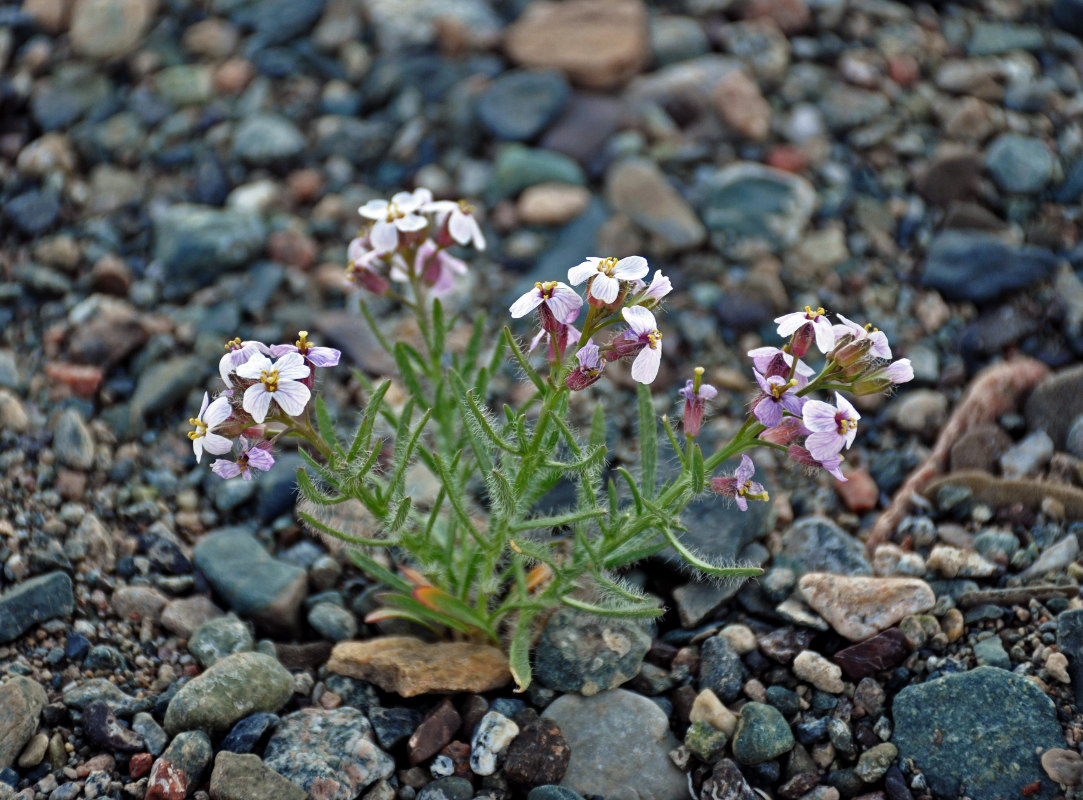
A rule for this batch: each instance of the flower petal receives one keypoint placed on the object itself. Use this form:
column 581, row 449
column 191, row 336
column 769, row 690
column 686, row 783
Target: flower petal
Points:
column 825, row 334
column 292, row 367
column 213, row 443
column 645, row 367
column 580, row 272
column 324, row 356
column 279, row 350
column 605, row 288
column 216, row 413
column 410, row 223
column 260, row 459
column 252, row 368
column 197, row 447
column 458, row 225
column 824, row 445
column 384, row 236
column 256, row 401
column 525, row 304
column 788, row 323
column 819, row 416
column 292, row 397
column 374, row 209
column 225, row 469
column 639, row 319
column 630, row 268
column 565, row 303
column 768, row 412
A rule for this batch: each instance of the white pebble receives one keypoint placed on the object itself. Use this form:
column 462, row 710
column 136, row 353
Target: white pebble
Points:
column 817, row 670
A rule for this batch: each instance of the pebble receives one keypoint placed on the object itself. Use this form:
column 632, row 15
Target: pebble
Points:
column 518, row 105
column 1019, row 163
column 34, row 751
column 246, row 734
column 72, row 441
column 409, row 667
column 874, row 762
column 598, row 44
column 552, row 204
column 727, row 782
column 817, row 670
column 35, row 600
column 740, row 637
column 1057, row 665
column 955, row 562
column 108, row 29
column 1028, row 456
column 330, row 752
column 332, row 621
column 194, row 245
column 266, row 139
column 166, row 782
column 434, row 733
column 859, row 607
column 981, row 267
column 1054, row 558
column 638, row 188
column 254, row 584
column 230, row 690
column 921, row 411
column 762, row 734
column 518, row 167
column 585, row 653
column 817, row 544
column 721, row 670
column 890, row 559
column 991, row 653
column 538, row 755
column 1063, row 766
column 154, row 736
column 451, row 787
column 217, row 638
column 708, row 708
column 492, row 736
column 21, row 702
column 740, row 104
column 705, row 742
column 102, row 726
column 246, row 777
column 617, row 721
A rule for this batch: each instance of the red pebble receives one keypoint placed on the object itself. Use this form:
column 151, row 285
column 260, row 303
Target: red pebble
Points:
column 904, row 70
column 167, row 782
column 140, row 765
column 82, row 379
column 787, row 158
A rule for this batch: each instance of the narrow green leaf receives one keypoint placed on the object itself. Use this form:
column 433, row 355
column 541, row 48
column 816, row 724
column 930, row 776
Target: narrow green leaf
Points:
column 698, row 476
column 637, row 498
column 648, row 439
column 455, row 497
column 406, row 370
column 375, row 327
column 402, row 514
column 558, row 520
column 594, row 457
column 453, row 607
column 312, row 494
column 473, row 347
column 420, row 610
column 501, row 493
column 403, row 454
column 363, row 438
column 439, row 328
column 597, row 426
column 316, row 525
column 374, row 569
column 324, row 424
column 628, row 612
column 631, row 552
column 700, row 564
column 519, row 650
column 672, row 435
column 524, row 362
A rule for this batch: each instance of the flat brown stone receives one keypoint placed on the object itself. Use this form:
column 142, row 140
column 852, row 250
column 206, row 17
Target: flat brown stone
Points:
column 859, row 607
column 599, row 44
column 409, row 667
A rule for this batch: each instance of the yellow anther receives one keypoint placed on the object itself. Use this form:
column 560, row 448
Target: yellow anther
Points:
column 302, row 342
column 608, row 265
column 269, row 379
column 234, row 344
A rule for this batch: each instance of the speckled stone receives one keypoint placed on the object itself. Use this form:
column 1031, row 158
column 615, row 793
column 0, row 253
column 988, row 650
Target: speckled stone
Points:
column 233, row 688
column 762, row 734
column 586, row 653
column 859, row 607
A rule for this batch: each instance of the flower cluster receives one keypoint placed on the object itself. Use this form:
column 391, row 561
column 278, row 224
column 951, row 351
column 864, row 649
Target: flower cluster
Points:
column 406, row 242
column 266, row 395
column 612, row 285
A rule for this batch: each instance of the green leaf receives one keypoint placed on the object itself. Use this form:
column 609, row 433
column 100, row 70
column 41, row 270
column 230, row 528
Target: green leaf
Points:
column 411, row 606
column 406, row 369
column 453, row 607
column 455, row 497
column 363, row 438
column 648, row 439
column 629, row 611
column 404, row 452
column 698, row 477
column 558, row 520
column 315, row 524
column 375, row 327
column 592, row 459
column 597, row 426
column 637, row 498
column 473, row 347
column 501, row 493
column 524, row 362
column 519, row 650
column 700, row 564
column 671, row 434
column 631, row 552
column 439, row 328
column 374, row 569
column 402, row 514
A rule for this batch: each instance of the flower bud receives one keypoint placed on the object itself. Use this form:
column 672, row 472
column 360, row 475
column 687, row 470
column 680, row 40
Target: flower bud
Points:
column 785, row 432
column 852, row 353
column 580, row 378
column 624, row 345
column 803, row 339
column 369, row 280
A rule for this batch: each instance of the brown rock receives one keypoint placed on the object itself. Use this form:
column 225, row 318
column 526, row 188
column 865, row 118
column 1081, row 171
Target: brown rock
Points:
column 1063, row 766
column 138, row 602
column 409, row 667
column 859, row 492
column 107, row 29
column 21, row 703
column 211, row 37
column 552, row 203
column 52, row 16
column 791, row 16
column 585, row 126
column 859, row 607
column 82, row 379
column 183, row 616
column 737, row 99
column 883, row 651
column 234, row 75
column 638, row 188
column 980, row 448
column 140, row 765
column 596, row 43
column 434, row 732
column 950, row 178
column 538, row 755
column 167, row 782
column 111, row 335
column 292, row 249
column 235, row 776
column 111, row 275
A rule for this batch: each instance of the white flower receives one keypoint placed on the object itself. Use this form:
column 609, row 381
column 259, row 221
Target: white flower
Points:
column 607, row 273
column 237, row 353
column 210, row 416
column 644, row 330
column 561, row 300
column 394, row 215
column 462, row 225
column 279, row 381
column 659, row 288
column 821, row 327
column 880, row 347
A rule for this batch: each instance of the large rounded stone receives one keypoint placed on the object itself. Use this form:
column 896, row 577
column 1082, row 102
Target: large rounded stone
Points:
column 21, row 702
column 106, row 29
column 586, row 653
column 236, row 686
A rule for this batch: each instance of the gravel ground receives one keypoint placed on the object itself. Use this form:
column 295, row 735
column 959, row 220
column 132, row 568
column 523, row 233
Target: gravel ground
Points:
column 175, row 174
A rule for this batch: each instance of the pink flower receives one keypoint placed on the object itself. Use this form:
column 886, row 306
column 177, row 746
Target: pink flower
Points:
column 762, row 358
column 606, row 274
column 361, row 269
column 210, row 416
column 833, row 426
column 650, row 296
column 557, row 303
column 881, row 379
column 696, row 394
column 314, row 356
column 257, row 457
column 740, row 486
column 879, row 346
column 642, row 339
column 395, row 215
column 832, row 464
column 436, row 267
column 589, row 370
column 279, row 382
column 237, row 353
column 776, row 395
column 806, row 325
column 459, row 221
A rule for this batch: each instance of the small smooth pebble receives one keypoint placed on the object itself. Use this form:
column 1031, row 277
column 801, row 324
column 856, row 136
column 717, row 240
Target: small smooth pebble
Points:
column 817, row 670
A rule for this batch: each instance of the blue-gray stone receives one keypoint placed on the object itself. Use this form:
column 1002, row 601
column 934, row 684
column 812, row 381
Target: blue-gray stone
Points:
column 191, row 752
column 220, row 637
column 154, row 736
column 36, row 600
column 449, row 788
column 518, row 167
column 73, row 442
column 1072, row 189
column 195, row 244
column 164, row 384
column 33, row 212
column 1070, row 642
column 333, row 622
column 980, row 267
column 996, row 545
column 246, row 734
column 518, row 105
column 393, row 725
column 816, row 544
column 721, row 669
column 104, row 658
column 677, row 38
column 264, row 139
column 978, row 734
column 586, row 653
column 279, row 21
column 252, row 582
column 1020, row 164
column 550, row 791
column 762, row 734
column 999, row 38
column 991, row 653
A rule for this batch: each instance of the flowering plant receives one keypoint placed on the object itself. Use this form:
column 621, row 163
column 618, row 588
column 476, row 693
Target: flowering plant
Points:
column 481, row 558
